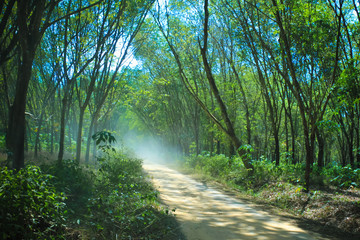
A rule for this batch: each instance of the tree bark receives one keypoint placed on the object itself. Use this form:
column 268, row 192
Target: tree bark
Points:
column 37, row 138
column 321, row 148
column 16, row 129
column 79, row 134
column 243, row 152
column 62, row 129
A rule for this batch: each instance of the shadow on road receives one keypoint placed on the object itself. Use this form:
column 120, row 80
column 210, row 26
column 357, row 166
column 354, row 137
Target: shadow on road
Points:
column 206, row 213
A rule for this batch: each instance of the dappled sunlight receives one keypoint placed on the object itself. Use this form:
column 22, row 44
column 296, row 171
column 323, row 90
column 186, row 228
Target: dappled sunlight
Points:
column 206, row 213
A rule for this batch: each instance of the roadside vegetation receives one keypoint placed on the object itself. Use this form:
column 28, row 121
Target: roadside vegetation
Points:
column 275, row 81
column 333, row 199
column 110, row 200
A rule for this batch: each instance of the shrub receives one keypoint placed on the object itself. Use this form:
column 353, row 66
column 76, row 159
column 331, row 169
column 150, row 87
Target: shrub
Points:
column 340, row 176
column 124, row 204
column 74, row 180
column 30, row 208
column 218, row 165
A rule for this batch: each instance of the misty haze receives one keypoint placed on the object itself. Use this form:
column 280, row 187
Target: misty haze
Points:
column 193, row 120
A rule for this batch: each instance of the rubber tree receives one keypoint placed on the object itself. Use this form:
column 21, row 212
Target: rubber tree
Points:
column 224, row 123
column 121, row 36
column 32, row 20
column 312, row 104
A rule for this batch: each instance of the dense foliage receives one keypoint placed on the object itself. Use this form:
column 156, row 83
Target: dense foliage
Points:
column 113, row 200
column 285, row 82
column 270, row 90
column 30, row 207
column 124, row 203
column 334, row 200
column 267, row 172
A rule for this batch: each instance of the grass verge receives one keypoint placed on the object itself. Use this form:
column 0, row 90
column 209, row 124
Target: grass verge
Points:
column 333, row 202
column 112, row 200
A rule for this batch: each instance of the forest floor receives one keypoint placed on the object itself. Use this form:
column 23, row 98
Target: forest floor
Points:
column 209, row 210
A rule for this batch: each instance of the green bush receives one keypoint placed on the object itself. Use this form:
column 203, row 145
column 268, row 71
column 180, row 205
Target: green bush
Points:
column 193, row 161
column 233, row 170
column 124, row 205
column 340, row 176
column 116, row 168
column 267, row 171
column 216, row 166
column 75, row 181
column 30, row 208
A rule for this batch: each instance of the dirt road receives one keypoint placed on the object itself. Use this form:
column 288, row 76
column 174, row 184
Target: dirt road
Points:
column 205, row 213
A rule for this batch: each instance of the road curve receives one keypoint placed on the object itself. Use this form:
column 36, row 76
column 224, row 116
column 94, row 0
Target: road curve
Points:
column 205, row 213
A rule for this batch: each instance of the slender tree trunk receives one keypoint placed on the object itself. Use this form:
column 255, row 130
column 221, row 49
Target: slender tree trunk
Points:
column 94, row 143
column 293, row 141
column 308, row 159
column 15, row 138
column 230, row 132
column 88, row 144
column 218, row 145
column 357, row 165
column 52, row 136
column 286, row 132
column 79, row 135
column 196, row 129
column 27, row 136
column 321, row 146
column 89, row 138
column 350, row 145
column 211, row 144
column 277, row 148
column 62, row 129
column 37, row 138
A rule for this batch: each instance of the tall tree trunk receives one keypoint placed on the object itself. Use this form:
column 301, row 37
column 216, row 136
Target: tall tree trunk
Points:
column 52, row 136
column 37, row 138
column 293, row 141
column 218, row 146
column 350, row 145
column 62, row 129
column 211, row 143
column 16, row 129
column 321, row 146
column 196, row 122
column 277, row 148
column 90, row 133
column 94, row 144
column 79, row 135
column 357, row 132
column 230, row 132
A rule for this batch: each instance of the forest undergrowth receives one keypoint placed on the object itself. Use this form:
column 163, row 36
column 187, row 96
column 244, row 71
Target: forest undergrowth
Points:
column 110, row 200
column 333, row 200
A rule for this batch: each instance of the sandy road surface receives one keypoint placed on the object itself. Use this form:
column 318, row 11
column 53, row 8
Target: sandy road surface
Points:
column 205, row 213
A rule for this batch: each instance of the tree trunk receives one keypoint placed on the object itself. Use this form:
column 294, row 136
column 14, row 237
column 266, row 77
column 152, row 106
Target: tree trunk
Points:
column 79, row 135
column 277, row 148
column 351, row 153
column 211, row 143
column 90, row 133
column 196, row 129
column 94, row 144
column 62, row 129
column 15, row 137
column 321, row 146
column 293, row 141
column 230, row 132
column 218, row 150
column 37, row 138
column 357, row 165
column 52, row 136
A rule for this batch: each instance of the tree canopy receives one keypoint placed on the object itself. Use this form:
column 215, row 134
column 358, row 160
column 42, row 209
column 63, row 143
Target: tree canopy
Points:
column 258, row 79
